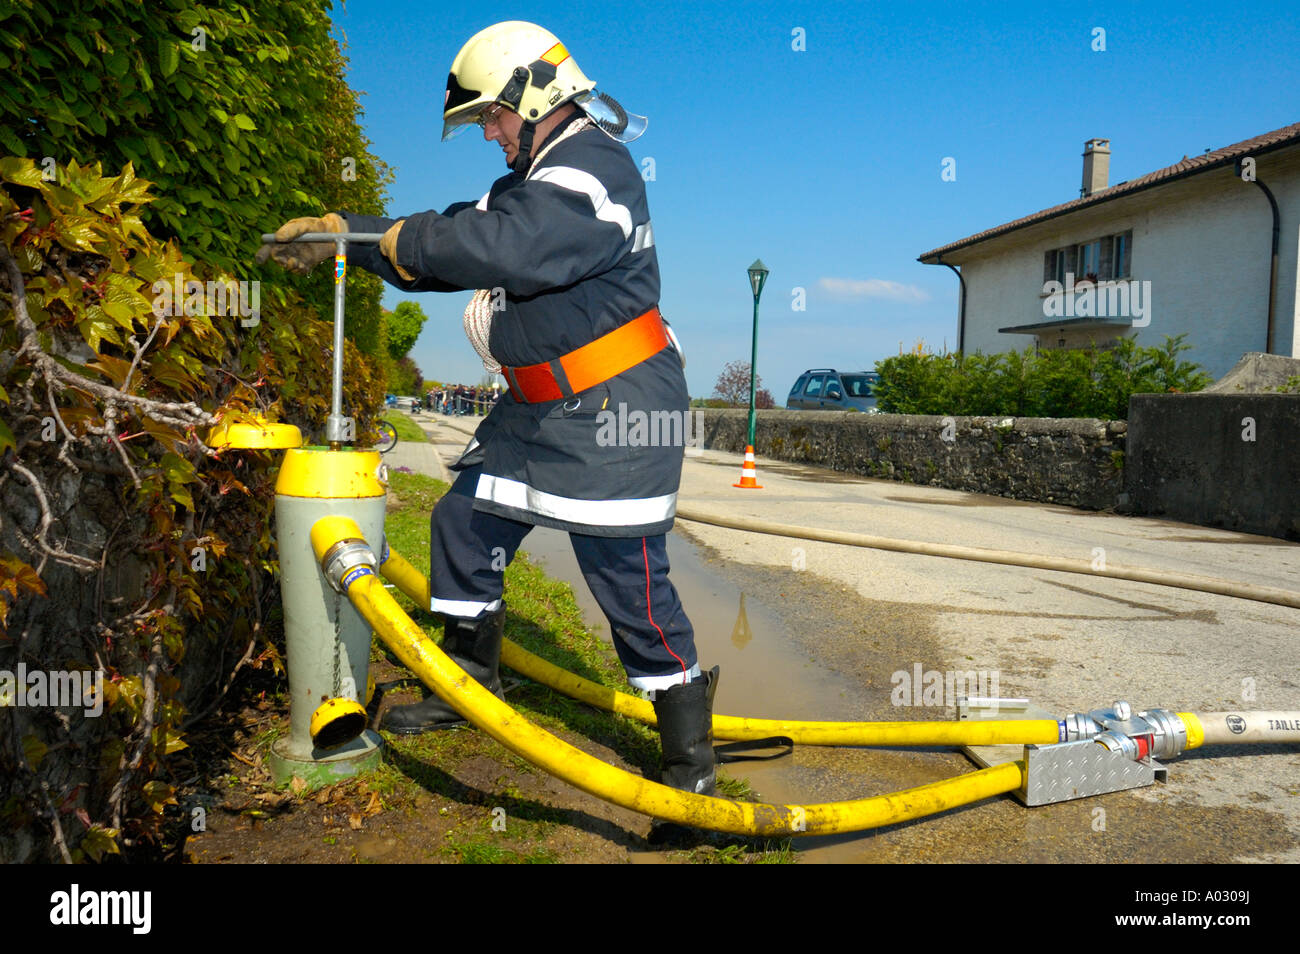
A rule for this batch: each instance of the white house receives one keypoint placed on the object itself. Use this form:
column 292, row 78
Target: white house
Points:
column 1208, row 247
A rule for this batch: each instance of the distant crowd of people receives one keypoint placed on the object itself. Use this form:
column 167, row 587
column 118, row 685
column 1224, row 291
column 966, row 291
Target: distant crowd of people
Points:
column 462, row 399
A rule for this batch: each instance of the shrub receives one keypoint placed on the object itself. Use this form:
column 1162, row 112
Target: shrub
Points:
column 1088, row 382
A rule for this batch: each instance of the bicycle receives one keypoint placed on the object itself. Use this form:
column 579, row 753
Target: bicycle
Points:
column 385, row 437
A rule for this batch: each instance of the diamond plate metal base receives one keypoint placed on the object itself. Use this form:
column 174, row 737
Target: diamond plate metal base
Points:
column 1056, row 773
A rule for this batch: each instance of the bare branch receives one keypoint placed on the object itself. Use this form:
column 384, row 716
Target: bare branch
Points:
column 139, row 353
column 47, row 520
column 178, row 413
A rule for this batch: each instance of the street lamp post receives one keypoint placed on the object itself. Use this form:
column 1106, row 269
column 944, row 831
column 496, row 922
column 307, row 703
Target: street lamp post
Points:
column 757, row 276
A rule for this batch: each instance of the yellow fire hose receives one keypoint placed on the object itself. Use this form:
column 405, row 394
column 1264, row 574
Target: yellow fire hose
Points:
column 992, row 732
column 366, row 592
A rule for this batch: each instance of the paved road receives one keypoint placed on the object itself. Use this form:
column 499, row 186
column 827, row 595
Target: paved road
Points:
column 813, row 630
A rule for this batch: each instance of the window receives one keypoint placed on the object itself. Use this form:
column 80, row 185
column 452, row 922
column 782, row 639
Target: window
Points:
column 1089, row 261
column 1106, row 259
column 1120, row 246
column 814, row 388
column 860, row 385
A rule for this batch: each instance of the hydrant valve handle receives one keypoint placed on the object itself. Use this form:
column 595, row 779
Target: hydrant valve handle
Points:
column 361, row 238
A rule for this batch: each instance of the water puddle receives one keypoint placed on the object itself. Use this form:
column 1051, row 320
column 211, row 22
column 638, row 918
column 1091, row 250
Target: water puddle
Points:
column 792, row 645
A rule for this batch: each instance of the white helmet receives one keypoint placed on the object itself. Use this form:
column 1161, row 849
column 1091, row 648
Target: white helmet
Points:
column 526, row 68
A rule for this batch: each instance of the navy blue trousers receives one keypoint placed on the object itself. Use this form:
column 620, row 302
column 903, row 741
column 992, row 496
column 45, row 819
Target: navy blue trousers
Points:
column 628, row 576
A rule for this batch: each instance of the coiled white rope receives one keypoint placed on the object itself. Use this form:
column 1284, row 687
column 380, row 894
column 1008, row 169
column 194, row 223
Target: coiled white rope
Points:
column 479, row 311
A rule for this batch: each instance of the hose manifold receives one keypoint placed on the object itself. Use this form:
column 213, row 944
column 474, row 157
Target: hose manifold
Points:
column 344, row 558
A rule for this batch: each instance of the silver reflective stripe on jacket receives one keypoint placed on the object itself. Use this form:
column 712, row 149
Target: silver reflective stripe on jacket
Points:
column 631, row 512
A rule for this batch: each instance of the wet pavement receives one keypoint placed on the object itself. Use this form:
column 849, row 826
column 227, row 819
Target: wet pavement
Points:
column 809, row 630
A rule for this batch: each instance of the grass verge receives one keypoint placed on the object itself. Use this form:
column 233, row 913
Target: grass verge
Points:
column 543, row 617
column 407, row 429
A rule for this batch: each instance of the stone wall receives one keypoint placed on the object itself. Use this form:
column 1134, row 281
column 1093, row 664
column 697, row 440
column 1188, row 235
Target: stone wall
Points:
column 1078, row 462
column 1220, row 460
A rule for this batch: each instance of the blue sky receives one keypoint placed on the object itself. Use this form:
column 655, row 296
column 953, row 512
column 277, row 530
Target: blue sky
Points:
column 826, row 161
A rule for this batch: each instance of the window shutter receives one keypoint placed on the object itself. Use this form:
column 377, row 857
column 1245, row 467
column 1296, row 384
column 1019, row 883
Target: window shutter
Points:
column 1107, row 257
column 1049, row 266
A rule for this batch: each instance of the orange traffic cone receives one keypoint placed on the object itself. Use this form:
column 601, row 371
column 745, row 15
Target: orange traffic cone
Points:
column 748, row 475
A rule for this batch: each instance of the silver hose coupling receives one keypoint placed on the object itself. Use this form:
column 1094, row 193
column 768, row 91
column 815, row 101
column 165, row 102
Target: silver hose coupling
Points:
column 1168, row 732
column 1118, row 742
column 343, row 558
column 1153, row 733
column 1080, row 727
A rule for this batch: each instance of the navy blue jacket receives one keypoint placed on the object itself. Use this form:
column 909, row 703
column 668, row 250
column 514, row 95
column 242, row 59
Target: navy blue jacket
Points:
column 572, row 249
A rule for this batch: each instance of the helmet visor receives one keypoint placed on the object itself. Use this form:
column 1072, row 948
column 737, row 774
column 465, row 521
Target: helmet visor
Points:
column 453, row 126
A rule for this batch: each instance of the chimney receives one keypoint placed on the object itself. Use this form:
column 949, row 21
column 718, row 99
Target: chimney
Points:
column 1096, row 166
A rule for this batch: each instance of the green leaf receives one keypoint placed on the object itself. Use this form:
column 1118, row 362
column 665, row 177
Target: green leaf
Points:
column 12, row 142
column 158, row 795
column 169, row 55
column 177, row 468
column 100, row 841
column 21, row 172
column 244, row 122
column 155, row 150
column 78, row 50
column 117, row 63
column 34, row 750
column 6, row 437
column 181, row 494
column 58, row 110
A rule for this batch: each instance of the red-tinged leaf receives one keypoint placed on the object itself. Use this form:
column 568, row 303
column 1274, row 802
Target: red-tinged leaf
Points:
column 158, row 795
column 23, row 576
column 114, row 369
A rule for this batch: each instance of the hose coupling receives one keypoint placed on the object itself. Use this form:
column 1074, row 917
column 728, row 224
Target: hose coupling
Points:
column 1122, row 744
column 345, row 561
column 1168, row 732
column 1080, row 727
column 1151, row 733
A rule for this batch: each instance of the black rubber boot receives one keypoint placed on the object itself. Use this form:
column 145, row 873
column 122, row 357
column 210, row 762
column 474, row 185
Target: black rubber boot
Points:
column 685, row 715
column 475, row 646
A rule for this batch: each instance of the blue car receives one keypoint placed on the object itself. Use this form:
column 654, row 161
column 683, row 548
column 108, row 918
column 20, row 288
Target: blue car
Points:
column 825, row 389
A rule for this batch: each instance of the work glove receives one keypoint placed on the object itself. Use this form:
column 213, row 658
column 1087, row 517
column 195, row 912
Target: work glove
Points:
column 302, row 257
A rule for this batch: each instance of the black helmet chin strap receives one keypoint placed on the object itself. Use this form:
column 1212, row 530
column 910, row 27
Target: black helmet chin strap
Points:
column 525, row 157
column 512, row 95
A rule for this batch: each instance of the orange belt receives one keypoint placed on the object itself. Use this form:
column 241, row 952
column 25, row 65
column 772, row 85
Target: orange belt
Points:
column 609, row 355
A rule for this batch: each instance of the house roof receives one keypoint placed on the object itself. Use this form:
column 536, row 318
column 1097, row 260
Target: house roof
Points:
column 1267, row 142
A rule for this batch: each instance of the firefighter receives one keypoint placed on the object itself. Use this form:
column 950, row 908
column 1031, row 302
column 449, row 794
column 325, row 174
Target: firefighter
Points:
column 561, row 254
